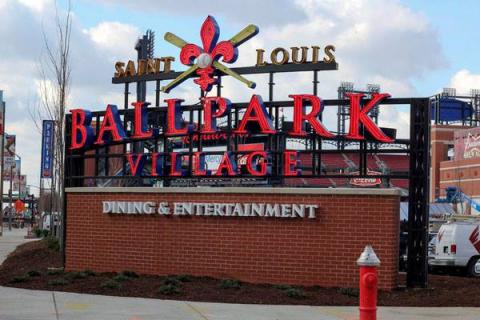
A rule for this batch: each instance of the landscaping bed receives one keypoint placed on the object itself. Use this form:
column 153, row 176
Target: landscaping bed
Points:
column 36, row 265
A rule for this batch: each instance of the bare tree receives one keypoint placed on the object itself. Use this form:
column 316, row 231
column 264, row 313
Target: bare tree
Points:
column 54, row 89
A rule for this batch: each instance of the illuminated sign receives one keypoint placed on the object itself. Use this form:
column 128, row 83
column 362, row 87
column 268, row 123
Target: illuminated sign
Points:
column 366, row 182
column 254, row 120
column 212, row 56
column 112, row 130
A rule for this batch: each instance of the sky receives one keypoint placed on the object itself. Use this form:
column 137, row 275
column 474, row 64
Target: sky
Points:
column 410, row 48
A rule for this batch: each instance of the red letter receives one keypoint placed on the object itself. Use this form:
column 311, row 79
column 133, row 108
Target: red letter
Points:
column 157, row 164
column 262, row 162
column 140, row 121
column 176, row 165
column 221, row 106
column 199, row 164
column 81, row 129
column 111, row 124
column 136, row 166
column 256, row 112
column 358, row 115
column 299, row 117
column 174, row 118
column 228, row 162
column 290, row 164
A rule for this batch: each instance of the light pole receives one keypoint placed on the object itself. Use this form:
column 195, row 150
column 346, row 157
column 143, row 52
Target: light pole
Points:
column 10, row 196
column 10, row 192
column 31, row 206
column 2, row 146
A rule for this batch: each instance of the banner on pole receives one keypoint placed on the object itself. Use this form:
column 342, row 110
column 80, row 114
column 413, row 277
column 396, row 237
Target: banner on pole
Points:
column 2, row 117
column 20, row 183
column 11, row 167
column 47, row 149
column 8, row 155
column 9, row 146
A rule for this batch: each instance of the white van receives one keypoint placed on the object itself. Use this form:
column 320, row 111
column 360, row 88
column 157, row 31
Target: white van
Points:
column 46, row 220
column 458, row 245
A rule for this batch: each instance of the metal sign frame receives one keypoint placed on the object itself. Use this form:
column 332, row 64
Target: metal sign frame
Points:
column 417, row 147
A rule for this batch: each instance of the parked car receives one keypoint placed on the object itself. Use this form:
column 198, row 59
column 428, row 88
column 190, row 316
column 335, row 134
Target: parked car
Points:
column 458, row 245
column 431, row 246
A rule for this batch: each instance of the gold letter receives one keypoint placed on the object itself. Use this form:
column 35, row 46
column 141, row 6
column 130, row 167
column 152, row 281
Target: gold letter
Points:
column 329, row 53
column 119, row 69
column 142, row 67
column 130, row 71
column 260, row 62
column 157, row 65
column 150, row 66
column 167, row 63
column 295, row 55
column 274, row 56
column 315, row 54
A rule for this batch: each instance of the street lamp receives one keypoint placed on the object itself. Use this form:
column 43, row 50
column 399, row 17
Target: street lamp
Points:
column 11, row 191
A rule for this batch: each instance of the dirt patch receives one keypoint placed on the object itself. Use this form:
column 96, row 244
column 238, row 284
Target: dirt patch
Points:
column 28, row 267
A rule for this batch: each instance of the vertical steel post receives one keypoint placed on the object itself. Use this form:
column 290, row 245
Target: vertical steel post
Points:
column 67, row 169
column 125, row 106
column 2, row 159
column 11, row 207
column 418, row 193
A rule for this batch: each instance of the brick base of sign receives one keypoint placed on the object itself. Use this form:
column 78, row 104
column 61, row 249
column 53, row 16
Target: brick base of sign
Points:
column 296, row 251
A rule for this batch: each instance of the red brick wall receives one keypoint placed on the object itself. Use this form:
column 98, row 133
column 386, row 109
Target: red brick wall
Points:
column 321, row 251
column 441, row 139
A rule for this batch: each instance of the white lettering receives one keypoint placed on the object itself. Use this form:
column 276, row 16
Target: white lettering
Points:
column 121, row 207
column 209, row 209
column 258, row 209
column 218, row 211
column 229, row 209
column 311, row 210
column 177, row 209
column 286, row 210
column 298, row 210
column 268, row 210
column 272, row 210
column 107, row 207
column 238, row 211
column 148, row 207
column 163, row 208
column 187, row 208
column 137, row 208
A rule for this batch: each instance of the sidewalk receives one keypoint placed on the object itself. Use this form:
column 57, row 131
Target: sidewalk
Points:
column 21, row 304
column 10, row 240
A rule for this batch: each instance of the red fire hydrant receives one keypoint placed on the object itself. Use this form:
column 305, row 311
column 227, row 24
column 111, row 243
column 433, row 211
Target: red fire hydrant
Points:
column 368, row 263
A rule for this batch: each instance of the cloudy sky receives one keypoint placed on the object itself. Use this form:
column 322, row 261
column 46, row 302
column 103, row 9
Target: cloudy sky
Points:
column 410, row 48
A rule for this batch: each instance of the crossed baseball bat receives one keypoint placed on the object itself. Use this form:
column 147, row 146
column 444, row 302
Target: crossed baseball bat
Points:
column 247, row 33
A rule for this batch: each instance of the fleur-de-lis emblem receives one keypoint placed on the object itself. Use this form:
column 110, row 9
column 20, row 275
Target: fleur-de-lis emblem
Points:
column 211, row 51
column 205, row 60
